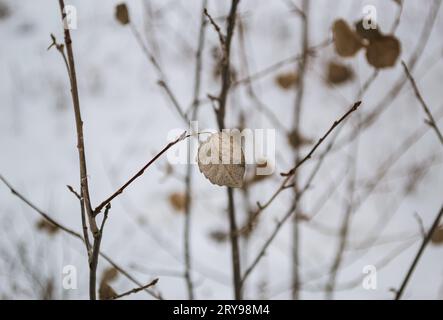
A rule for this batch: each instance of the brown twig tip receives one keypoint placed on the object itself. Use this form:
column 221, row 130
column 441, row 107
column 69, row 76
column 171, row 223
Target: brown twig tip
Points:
column 216, row 27
column 355, row 106
column 135, row 290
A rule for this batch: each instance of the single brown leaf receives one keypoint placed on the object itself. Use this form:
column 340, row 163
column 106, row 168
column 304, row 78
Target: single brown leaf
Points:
column 218, row 236
column 106, row 292
column 122, row 13
column 296, row 140
column 110, row 274
column 383, row 52
column 339, row 73
column 46, row 226
column 346, row 41
column 286, row 80
column 178, row 201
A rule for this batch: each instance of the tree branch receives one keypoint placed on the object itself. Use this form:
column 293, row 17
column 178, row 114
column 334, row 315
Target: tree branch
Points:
column 72, row 233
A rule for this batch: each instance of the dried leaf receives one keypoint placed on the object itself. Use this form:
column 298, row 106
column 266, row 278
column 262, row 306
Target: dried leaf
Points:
column 286, row 80
column 105, row 292
column 178, row 201
column 346, row 41
column 5, row 11
column 368, row 34
column 110, row 274
column 221, row 159
column 218, row 236
column 296, row 140
column 122, row 13
column 383, row 52
column 437, row 236
column 46, row 226
column 339, row 73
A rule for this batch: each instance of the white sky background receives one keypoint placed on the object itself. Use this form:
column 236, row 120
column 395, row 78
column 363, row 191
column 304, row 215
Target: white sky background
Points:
column 127, row 119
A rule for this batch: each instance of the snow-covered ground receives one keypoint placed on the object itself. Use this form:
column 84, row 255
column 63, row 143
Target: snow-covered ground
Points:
column 127, row 118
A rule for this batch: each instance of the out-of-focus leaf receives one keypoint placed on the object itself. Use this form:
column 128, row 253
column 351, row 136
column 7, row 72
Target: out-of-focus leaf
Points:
column 218, row 236
column 46, row 226
column 105, row 292
column 339, row 73
column 346, row 41
column 437, row 236
column 286, row 80
column 178, row 201
column 296, row 140
column 110, row 274
column 122, row 13
column 5, row 12
column 383, row 52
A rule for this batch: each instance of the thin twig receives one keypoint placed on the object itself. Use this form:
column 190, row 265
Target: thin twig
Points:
column 135, row 290
column 344, row 228
column 284, row 183
column 78, row 122
column 430, row 120
column 139, row 173
column 417, row 257
column 188, row 178
column 301, row 71
column 221, row 37
column 84, row 223
column 162, row 81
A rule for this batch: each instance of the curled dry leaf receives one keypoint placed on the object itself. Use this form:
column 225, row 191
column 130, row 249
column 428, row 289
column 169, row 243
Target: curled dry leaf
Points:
column 221, row 159
column 346, row 41
column 122, row 13
column 286, row 80
column 46, row 226
column 437, row 236
column 178, row 201
column 383, row 52
column 367, row 33
column 339, row 73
